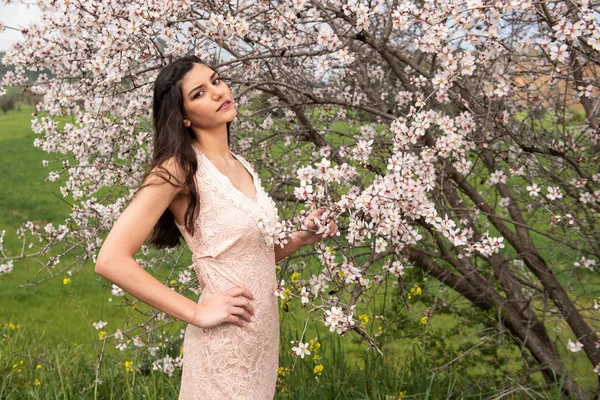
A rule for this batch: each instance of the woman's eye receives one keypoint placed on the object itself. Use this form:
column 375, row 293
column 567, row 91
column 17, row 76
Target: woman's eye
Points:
column 199, row 92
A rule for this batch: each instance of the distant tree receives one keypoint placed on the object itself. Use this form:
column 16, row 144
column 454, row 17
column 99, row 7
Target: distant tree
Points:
column 8, row 102
column 31, row 75
column 3, row 68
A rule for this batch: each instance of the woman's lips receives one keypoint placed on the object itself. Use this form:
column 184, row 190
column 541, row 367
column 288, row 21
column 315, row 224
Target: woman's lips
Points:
column 225, row 105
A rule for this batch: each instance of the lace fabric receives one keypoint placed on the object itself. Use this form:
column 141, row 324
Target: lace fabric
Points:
column 232, row 247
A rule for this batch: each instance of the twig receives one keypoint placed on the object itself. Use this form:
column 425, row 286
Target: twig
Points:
column 483, row 340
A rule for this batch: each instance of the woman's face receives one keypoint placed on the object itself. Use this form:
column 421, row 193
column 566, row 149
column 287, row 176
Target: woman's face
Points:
column 203, row 94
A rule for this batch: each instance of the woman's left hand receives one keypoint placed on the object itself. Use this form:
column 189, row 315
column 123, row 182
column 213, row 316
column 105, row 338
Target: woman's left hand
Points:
column 310, row 235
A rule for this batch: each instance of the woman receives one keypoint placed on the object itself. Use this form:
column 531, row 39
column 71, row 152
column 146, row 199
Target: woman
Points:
column 202, row 191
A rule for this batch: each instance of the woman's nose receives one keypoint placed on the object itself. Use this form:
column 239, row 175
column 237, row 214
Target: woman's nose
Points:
column 218, row 93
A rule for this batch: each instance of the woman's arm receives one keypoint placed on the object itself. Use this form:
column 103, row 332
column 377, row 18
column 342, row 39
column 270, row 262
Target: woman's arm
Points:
column 290, row 247
column 116, row 258
column 117, row 264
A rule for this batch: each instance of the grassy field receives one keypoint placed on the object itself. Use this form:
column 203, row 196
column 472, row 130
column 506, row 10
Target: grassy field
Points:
column 26, row 196
column 51, row 324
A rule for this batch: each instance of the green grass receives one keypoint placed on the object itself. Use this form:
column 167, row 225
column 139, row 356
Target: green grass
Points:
column 55, row 310
column 66, row 371
column 25, row 195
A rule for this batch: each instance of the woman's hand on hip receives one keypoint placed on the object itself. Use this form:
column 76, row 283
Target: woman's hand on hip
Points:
column 230, row 305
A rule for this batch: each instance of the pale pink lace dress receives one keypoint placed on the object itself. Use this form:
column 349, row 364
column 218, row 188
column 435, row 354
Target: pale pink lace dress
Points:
column 232, row 247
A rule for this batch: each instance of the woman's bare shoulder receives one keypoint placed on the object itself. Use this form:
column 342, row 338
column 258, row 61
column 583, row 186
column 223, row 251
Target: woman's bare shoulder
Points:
column 169, row 171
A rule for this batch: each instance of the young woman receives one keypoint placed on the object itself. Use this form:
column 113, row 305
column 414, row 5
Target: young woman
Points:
column 199, row 189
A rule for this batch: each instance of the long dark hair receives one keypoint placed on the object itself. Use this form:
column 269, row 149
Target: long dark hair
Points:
column 173, row 140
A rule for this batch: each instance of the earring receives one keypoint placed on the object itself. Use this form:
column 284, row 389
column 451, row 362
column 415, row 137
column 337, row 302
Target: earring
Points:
column 187, row 123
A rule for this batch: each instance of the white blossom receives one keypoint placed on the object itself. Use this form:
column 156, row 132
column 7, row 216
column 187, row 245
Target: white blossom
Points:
column 99, row 324
column 301, row 349
column 574, row 346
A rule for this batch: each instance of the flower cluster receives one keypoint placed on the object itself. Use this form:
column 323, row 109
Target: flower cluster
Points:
column 337, row 320
column 168, row 364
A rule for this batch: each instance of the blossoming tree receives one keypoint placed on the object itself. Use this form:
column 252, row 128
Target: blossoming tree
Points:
column 456, row 137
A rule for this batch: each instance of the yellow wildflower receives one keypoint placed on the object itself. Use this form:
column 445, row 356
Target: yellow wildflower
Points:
column 286, row 293
column 14, row 366
column 173, row 281
column 37, row 382
column 181, row 351
column 318, row 369
column 12, row 326
column 281, row 371
column 424, row 320
column 316, row 358
column 278, row 267
column 295, row 276
column 364, row 319
column 38, row 366
column 66, row 281
column 128, row 366
column 313, row 345
column 101, row 335
column 415, row 291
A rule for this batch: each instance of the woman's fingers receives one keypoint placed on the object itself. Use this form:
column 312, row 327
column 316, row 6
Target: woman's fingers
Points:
column 239, row 303
column 229, row 305
column 310, row 223
column 330, row 230
column 235, row 320
column 239, row 291
column 240, row 312
column 319, row 211
column 242, row 302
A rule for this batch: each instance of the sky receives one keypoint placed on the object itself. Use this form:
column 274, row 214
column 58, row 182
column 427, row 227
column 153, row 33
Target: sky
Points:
column 16, row 16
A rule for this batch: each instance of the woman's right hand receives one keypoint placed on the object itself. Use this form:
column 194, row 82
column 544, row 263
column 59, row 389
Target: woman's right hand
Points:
column 230, row 305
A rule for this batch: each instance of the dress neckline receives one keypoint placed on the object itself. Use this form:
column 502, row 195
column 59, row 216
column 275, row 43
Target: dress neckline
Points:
column 224, row 177
column 261, row 207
